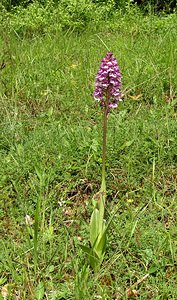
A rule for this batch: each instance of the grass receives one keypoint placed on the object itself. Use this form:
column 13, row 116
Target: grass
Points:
column 50, row 149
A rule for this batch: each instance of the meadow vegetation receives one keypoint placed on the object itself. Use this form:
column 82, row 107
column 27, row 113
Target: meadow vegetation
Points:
column 51, row 145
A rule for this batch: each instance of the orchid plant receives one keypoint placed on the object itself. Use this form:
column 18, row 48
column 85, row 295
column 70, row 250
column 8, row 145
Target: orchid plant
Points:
column 107, row 92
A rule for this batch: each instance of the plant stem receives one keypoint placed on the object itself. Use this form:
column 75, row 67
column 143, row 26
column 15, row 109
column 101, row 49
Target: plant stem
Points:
column 103, row 181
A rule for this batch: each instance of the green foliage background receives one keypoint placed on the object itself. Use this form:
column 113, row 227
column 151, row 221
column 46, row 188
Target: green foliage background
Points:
column 28, row 18
column 50, row 149
column 156, row 4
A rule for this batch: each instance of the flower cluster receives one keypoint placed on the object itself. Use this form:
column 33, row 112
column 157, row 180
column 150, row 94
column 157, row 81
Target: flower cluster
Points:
column 108, row 82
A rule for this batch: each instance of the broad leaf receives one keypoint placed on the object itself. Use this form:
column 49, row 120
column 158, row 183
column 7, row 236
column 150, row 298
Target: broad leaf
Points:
column 94, row 223
column 93, row 259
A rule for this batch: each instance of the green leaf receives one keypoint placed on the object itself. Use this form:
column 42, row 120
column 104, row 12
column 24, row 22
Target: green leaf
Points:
column 40, row 291
column 50, row 112
column 126, row 144
column 94, row 226
column 153, row 269
column 93, row 259
column 100, row 247
column 86, row 249
column 3, row 280
column 101, row 213
column 51, row 268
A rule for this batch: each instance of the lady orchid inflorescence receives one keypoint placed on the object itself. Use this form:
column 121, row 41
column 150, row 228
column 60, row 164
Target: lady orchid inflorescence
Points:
column 108, row 82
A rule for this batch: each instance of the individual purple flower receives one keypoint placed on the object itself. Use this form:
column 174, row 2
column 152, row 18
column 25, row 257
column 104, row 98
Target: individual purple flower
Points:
column 108, row 82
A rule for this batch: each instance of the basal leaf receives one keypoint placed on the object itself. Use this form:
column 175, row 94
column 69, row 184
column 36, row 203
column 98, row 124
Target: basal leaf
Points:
column 94, row 229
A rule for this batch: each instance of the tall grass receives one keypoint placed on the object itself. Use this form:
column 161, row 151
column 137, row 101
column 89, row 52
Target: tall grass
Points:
column 50, row 149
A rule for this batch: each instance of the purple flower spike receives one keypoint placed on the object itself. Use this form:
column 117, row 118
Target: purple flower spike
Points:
column 108, row 82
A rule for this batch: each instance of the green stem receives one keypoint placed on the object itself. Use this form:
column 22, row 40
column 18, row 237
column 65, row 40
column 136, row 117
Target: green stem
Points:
column 103, row 181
